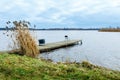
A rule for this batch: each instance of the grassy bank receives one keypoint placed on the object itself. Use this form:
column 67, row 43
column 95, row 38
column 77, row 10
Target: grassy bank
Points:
column 15, row 67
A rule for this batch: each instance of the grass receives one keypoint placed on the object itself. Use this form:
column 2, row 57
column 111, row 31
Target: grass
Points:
column 15, row 67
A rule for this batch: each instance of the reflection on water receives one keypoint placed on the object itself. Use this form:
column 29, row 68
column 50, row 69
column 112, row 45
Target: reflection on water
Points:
column 100, row 48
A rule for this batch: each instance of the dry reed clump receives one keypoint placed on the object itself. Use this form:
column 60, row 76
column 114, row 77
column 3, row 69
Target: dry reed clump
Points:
column 110, row 30
column 23, row 40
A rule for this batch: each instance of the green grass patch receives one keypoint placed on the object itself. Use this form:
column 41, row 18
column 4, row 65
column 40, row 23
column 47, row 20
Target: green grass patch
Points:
column 15, row 67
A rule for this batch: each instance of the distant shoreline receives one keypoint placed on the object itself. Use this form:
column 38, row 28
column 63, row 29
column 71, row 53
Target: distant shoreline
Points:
column 109, row 30
column 56, row 29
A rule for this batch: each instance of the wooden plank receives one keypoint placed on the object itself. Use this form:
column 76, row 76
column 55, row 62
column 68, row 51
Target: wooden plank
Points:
column 56, row 45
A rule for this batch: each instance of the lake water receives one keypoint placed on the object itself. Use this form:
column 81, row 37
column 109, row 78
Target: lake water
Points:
column 99, row 48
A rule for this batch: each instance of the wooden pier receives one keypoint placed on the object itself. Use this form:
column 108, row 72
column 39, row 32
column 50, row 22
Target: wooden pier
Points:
column 50, row 46
column 56, row 45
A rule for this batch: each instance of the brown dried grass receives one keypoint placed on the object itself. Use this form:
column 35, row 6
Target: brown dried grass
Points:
column 23, row 40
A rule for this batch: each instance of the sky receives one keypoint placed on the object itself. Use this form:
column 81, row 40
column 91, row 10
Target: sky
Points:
column 62, row 13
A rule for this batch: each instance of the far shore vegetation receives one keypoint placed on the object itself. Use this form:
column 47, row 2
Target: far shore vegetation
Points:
column 110, row 30
column 26, row 65
column 56, row 28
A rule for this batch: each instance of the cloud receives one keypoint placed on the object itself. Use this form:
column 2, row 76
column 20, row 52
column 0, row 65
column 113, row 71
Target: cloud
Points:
column 60, row 11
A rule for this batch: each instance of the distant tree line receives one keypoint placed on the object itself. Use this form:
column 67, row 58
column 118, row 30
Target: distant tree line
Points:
column 56, row 29
column 111, row 28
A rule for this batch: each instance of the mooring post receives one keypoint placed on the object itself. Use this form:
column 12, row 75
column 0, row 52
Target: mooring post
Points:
column 81, row 42
column 66, row 39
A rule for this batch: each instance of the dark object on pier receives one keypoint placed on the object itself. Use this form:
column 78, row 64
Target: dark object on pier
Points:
column 41, row 41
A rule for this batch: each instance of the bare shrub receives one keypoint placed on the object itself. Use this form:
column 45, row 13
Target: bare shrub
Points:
column 22, row 38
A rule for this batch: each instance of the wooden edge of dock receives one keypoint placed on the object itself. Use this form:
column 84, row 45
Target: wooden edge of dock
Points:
column 48, row 47
column 56, row 45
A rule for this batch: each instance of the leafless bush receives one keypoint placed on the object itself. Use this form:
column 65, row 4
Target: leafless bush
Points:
column 22, row 38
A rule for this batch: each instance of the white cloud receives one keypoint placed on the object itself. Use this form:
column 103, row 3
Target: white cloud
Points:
column 40, row 10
